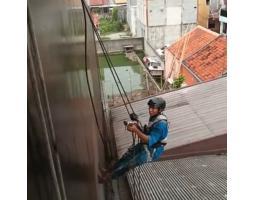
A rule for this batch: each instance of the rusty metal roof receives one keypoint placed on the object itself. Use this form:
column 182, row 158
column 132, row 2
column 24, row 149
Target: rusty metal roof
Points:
column 200, row 178
column 195, row 113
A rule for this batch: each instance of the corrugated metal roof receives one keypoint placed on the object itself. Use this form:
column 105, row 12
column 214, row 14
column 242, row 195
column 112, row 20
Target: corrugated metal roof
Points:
column 195, row 113
column 200, row 177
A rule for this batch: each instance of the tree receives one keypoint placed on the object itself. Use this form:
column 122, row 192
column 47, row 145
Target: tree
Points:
column 178, row 81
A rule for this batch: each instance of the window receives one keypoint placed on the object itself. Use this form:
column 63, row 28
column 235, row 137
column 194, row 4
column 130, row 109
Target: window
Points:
column 211, row 24
column 225, row 28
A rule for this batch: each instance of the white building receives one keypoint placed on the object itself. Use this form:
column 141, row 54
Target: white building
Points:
column 131, row 15
column 161, row 22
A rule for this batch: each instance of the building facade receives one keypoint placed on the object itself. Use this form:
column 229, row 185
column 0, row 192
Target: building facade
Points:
column 212, row 14
column 66, row 114
column 200, row 55
column 161, row 22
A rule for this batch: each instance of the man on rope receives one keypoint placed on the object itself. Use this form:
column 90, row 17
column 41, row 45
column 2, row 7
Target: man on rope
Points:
column 153, row 138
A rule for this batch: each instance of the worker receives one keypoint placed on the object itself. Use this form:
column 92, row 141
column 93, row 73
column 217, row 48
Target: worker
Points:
column 151, row 146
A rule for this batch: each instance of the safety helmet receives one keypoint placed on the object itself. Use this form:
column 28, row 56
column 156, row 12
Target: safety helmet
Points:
column 157, row 102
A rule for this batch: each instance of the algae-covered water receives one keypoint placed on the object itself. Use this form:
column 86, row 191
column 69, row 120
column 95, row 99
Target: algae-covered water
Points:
column 129, row 73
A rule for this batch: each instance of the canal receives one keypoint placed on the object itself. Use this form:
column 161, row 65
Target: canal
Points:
column 130, row 74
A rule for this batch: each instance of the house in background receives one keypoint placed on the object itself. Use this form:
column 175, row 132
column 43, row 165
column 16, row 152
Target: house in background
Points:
column 185, row 47
column 97, row 2
column 104, row 8
column 223, row 20
column 208, row 63
column 200, row 55
column 160, row 22
column 203, row 12
column 212, row 14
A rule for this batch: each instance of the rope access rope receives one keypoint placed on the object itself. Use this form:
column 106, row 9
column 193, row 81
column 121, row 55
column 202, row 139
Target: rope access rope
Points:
column 112, row 69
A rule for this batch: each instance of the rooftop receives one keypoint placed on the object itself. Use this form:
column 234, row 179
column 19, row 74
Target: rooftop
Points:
column 198, row 122
column 211, row 61
column 195, row 113
column 200, row 177
column 198, row 38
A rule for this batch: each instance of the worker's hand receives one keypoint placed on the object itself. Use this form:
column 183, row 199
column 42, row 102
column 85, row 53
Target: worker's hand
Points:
column 132, row 127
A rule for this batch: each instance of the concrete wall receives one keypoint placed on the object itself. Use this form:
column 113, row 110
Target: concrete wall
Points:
column 174, row 15
column 187, row 27
column 156, row 36
column 131, row 15
column 140, row 28
column 117, row 45
column 167, row 20
column 172, row 33
column 141, row 11
column 133, row 20
column 156, row 13
column 189, row 11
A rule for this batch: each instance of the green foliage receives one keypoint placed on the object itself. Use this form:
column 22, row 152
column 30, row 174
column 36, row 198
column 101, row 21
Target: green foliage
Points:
column 112, row 24
column 114, row 14
column 108, row 26
column 178, row 81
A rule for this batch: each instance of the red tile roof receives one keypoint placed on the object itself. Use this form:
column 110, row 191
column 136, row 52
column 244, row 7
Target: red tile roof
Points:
column 211, row 61
column 198, row 38
column 98, row 2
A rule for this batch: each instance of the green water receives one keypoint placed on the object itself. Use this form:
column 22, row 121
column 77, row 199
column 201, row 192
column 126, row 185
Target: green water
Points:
column 129, row 73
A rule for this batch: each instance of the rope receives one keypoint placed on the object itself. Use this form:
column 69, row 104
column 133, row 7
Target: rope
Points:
column 112, row 69
column 132, row 115
column 89, row 87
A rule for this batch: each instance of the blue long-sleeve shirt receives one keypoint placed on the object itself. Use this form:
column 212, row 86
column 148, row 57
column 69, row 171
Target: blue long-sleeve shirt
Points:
column 157, row 132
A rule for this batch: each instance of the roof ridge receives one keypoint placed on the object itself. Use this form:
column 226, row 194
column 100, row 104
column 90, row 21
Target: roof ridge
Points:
column 186, row 64
column 203, row 47
column 176, row 90
column 197, row 27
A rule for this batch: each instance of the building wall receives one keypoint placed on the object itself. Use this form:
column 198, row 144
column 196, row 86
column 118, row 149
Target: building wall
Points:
column 172, row 33
column 131, row 15
column 185, row 28
column 117, row 45
column 171, row 64
column 202, row 13
column 156, row 13
column 166, row 20
column 156, row 36
column 120, row 1
column 140, row 29
column 189, row 11
column 64, row 147
column 173, row 15
column 141, row 12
